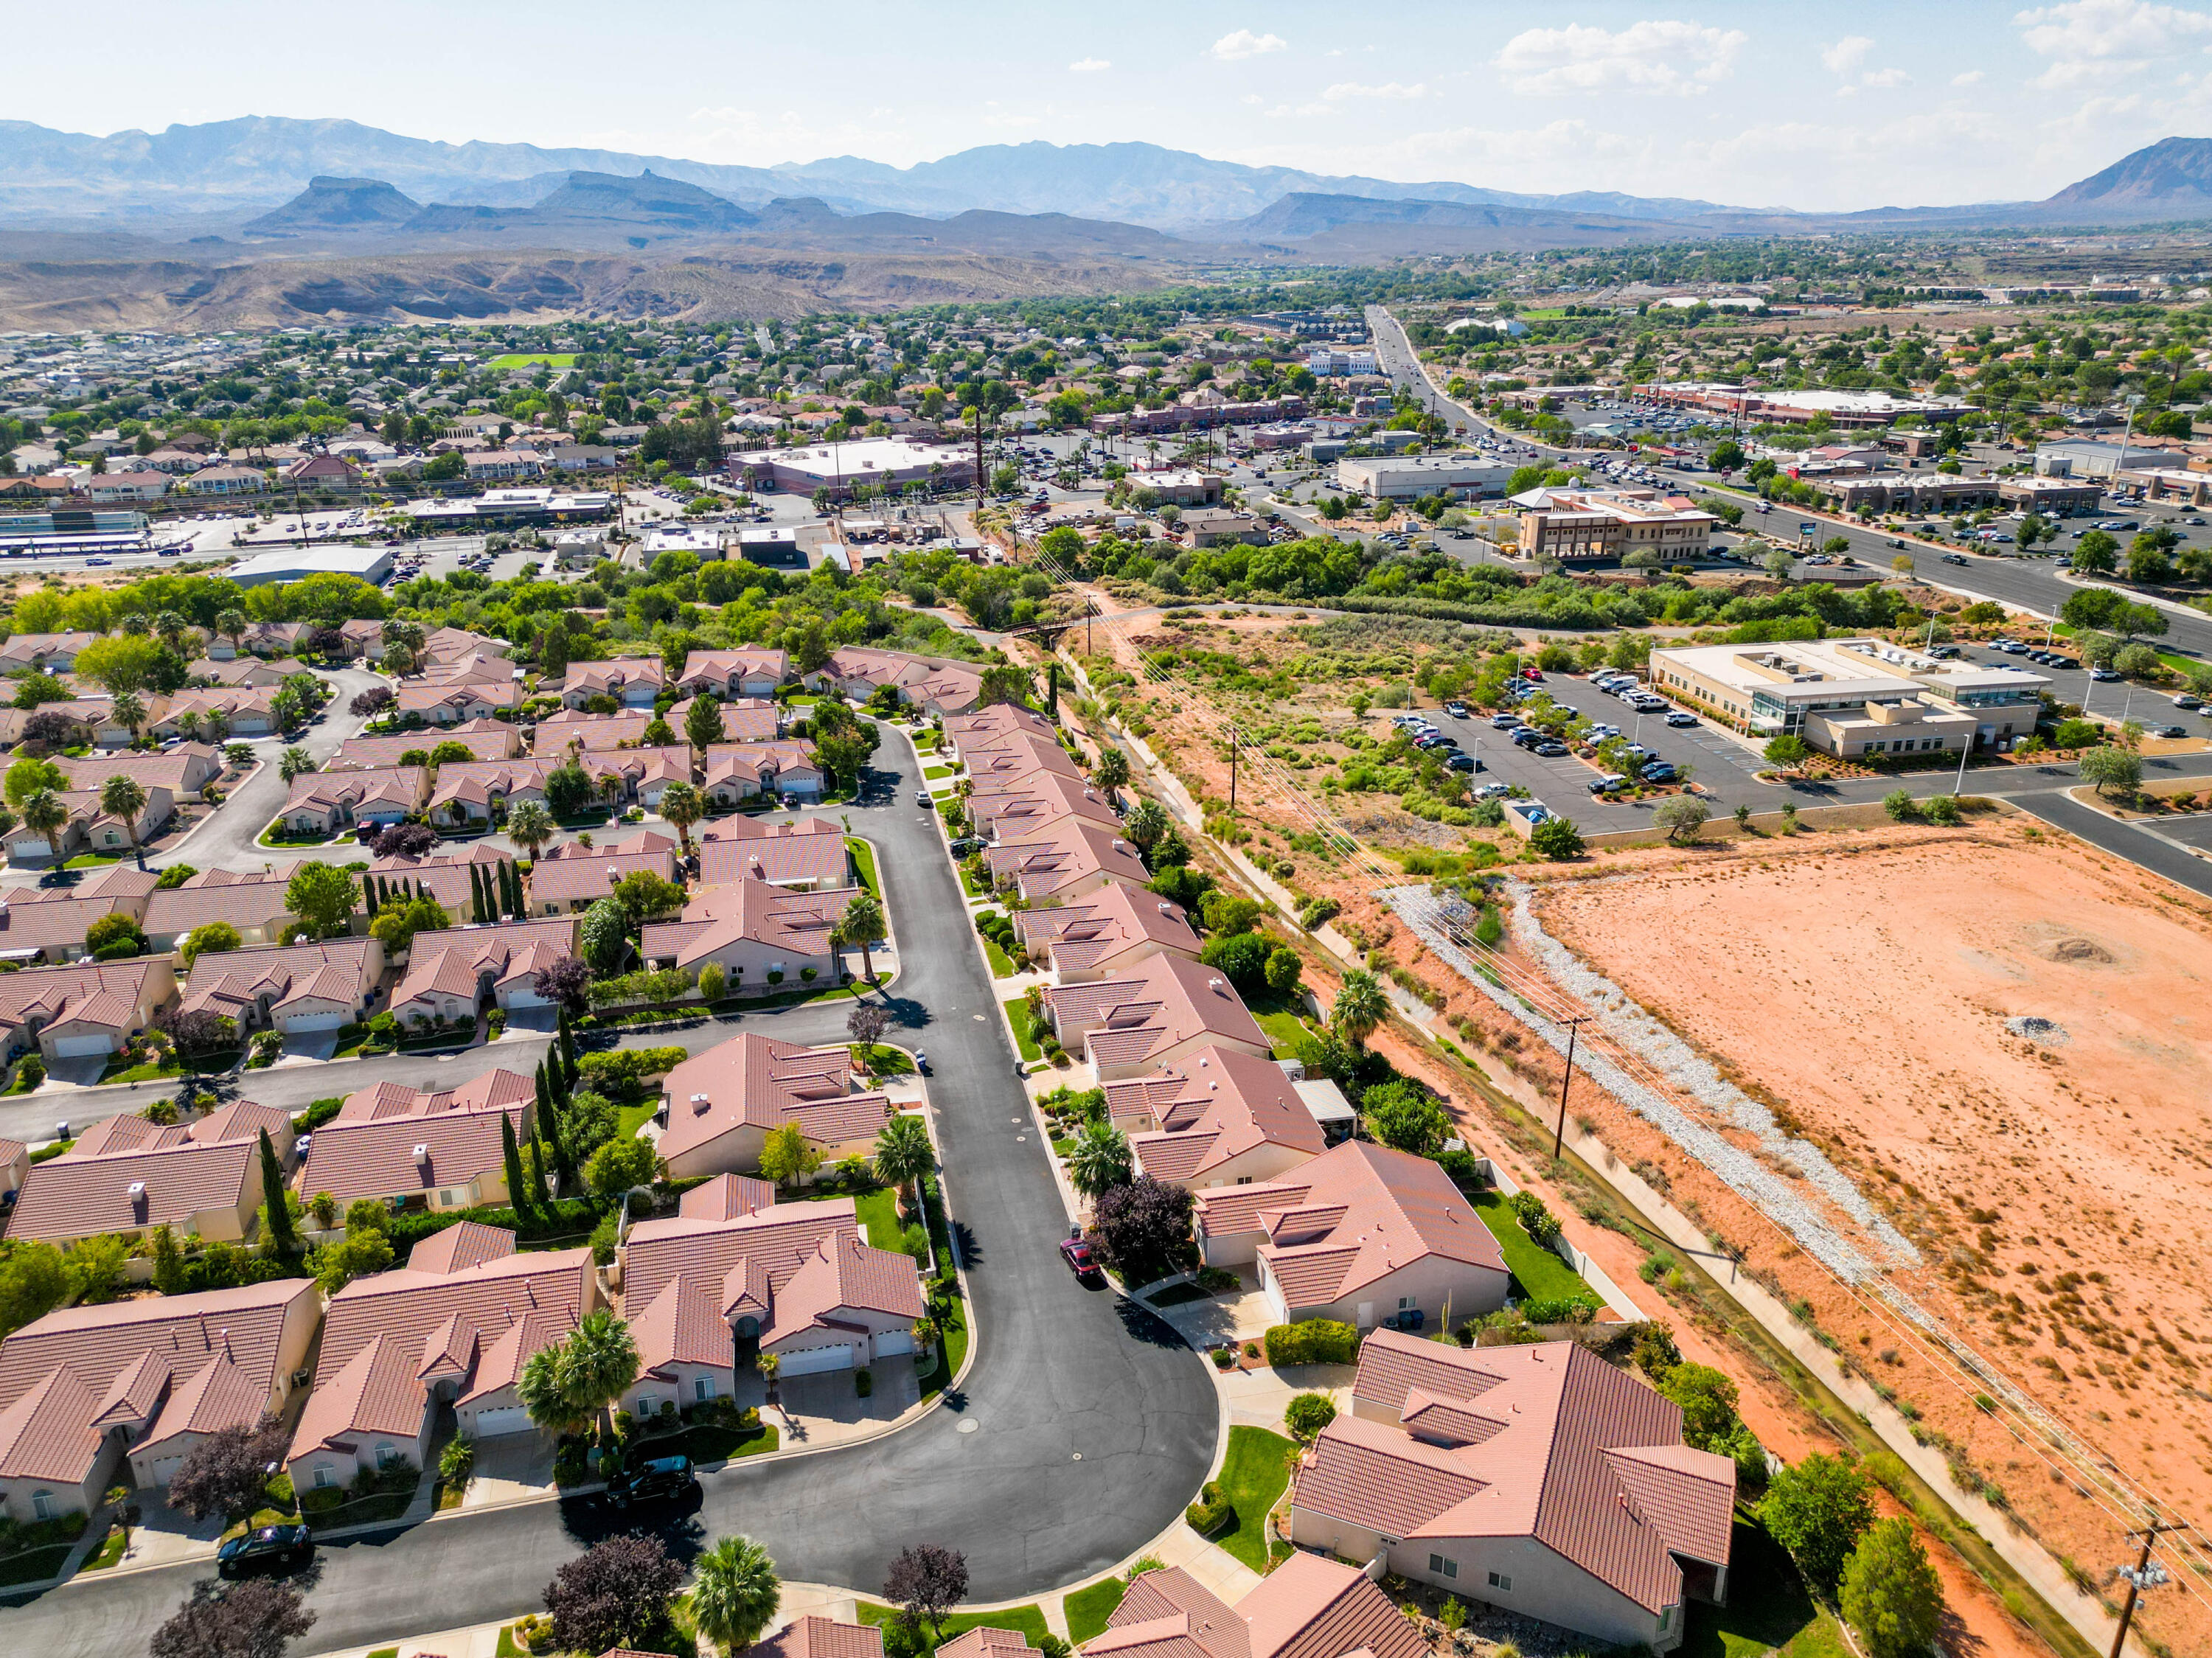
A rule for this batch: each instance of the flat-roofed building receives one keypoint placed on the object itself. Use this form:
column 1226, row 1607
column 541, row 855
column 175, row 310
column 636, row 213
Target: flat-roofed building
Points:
column 839, row 469
column 2058, row 497
column 1409, row 478
column 1590, row 527
column 1853, row 697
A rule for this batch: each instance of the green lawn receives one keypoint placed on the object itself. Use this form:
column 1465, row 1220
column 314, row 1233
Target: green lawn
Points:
column 1538, row 1274
column 1252, row 1477
column 95, row 859
column 532, row 359
column 1028, row 1621
column 1768, row 1609
column 629, row 1118
column 1282, row 1020
column 864, row 863
column 110, row 1550
column 716, row 1441
column 1002, row 965
column 118, row 1073
column 878, row 1213
column 1088, row 1609
column 272, row 836
column 931, row 773
column 1023, row 1040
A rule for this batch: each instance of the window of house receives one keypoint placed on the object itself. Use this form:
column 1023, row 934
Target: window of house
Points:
column 705, row 1386
column 1666, row 1617
column 1440, row 1567
column 386, row 1456
column 1499, row 1581
column 1405, row 1304
column 324, row 1478
column 42, row 1505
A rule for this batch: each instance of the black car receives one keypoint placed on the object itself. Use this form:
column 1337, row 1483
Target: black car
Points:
column 270, row 1545
column 663, row 1477
column 1462, row 762
column 1528, row 738
column 1658, row 771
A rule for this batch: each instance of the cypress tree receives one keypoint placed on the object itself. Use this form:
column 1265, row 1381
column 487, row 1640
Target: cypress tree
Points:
column 479, row 909
column 510, row 1155
column 510, row 882
column 556, row 1137
column 567, row 1047
column 272, row 1193
column 541, row 1195
column 368, row 897
column 545, row 1093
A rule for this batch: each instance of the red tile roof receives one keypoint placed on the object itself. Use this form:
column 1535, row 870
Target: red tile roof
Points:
column 452, row 961
column 1547, row 1442
column 717, row 917
column 368, row 1150
column 1214, row 1105
column 805, row 850
column 182, row 1171
column 217, row 894
column 757, row 1082
column 1155, row 1004
column 232, row 982
column 487, row 740
column 1098, row 930
column 816, row 1637
column 1052, row 857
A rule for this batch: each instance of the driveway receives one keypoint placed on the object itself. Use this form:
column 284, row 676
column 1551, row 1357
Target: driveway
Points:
column 1081, row 1429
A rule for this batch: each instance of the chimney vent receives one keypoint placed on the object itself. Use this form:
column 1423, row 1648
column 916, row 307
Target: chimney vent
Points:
column 422, row 1152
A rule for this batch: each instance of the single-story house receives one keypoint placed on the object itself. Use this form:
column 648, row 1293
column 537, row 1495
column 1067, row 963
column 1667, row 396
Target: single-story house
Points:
column 253, row 903
column 1220, row 1117
column 1163, row 1009
column 49, row 923
column 721, row 1104
column 439, row 1147
column 126, row 1175
column 1105, row 933
column 90, row 1007
column 452, row 974
column 323, row 802
column 294, row 988
column 804, row 855
column 761, row 934
column 1065, row 859
column 738, row 772
column 632, row 681
column 485, row 739
column 1310, row 1607
column 935, row 685
column 572, row 877
column 727, row 674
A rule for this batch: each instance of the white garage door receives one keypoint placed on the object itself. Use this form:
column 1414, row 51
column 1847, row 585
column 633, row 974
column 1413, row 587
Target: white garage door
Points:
column 314, row 1022
column 513, row 1420
column 895, row 1341
column 165, row 1469
column 75, row 1047
column 817, row 1359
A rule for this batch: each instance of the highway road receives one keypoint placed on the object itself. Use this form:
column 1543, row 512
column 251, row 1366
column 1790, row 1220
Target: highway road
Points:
column 1082, row 1428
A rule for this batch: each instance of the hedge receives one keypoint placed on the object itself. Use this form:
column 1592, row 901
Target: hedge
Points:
column 1315, row 1341
column 1212, row 1511
column 624, row 1070
column 568, row 1216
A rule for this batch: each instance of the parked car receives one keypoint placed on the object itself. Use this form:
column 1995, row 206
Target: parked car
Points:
column 1493, row 791
column 2170, row 731
column 1503, row 722
column 1680, row 717
column 2104, row 676
column 1552, row 750
column 1528, row 737
column 2185, row 700
column 267, row 1546
column 1607, row 782
column 1079, row 1258
column 659, row 1480
column 923, row 799
column 1456, row 710
column 1461, row 762
column 1659, row 771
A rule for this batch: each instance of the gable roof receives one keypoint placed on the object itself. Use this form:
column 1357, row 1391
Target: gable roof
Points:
column 180, row 1171
column 1350, row 1218
column 737, row 849
column 443, row 875
column 736, row 912
column 487, row 740
column 575, row 872
column 757, row 1082
column 1098, row 929
column 590, row 731
column 454, row 962
column 217, row 894
column 57, row 917
column 233, row 981
column 1156, row 1005
column 1545, row 1442
column 816, row 1637
column 1010, row 808
column 1212, row 1106
column 370, row 1149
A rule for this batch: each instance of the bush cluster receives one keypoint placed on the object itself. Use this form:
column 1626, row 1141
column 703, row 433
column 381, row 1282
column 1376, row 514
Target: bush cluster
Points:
column 1210, row 1512
column 1313, row 1341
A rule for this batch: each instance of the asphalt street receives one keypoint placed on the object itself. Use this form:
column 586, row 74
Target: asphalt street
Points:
column 1082, row 1429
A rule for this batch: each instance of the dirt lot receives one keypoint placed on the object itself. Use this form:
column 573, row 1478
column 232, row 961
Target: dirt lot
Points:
column 2055, row 1189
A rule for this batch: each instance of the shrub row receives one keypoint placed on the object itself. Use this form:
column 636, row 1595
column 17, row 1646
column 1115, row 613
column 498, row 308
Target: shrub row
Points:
column 1315, row 1341
column 623, row 1070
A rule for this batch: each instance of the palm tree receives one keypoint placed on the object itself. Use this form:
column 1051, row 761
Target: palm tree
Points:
column 597, row 1362
column 862, row 924
column 1113, row 772
column 737, row 1593
column 45, row 814
column 610, row 786
column 188, row 724
column 769, row 1365
column 131, row 710
column 171, row 628
column 217, row 723
column 530, row 826
column 124, row 798
column 295, row 761
column 1360, row 1006
column 1147, row 822
column 903, row 1155
column 681, row 805
column 232, row 625
column 1099, row 1160
column 540, row 1391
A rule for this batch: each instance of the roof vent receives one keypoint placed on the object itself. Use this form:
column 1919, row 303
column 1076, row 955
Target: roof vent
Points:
column 699, row 1103
column 138, row 1190
column 422, row 1152
column 1213, row 984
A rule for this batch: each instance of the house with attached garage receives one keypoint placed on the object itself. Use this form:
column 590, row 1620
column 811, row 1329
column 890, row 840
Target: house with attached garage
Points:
column 49, row 924
column 1221, row 1117
column 792, row 1279
column 453, row 973
column 1309, row 1606
column 633, row 682
column 42, row 653
column 726, row 674
column 184, row 770
column 804, row 855
column 324, row 802
column 761, row 934
column 934, row 684
column 235, row 711
column 1064, row 860
column 1017, row 759
column 441, row 1148
column 126, row 1175
column 646, row 774
column 721, row 1106
column 1165, row 1008
column 93, row 1007
column 1539, row 1480
column 91, row 826
column 94, row 1396
column 294, row 988
column 572, row 877
column 987, row 727
column 253, row 903
column 451, row 705
column 484, row 739
column 738, row 772
column 1359, row 1234
column 1013, row 809
column 1105, row 933
column 454, row 1328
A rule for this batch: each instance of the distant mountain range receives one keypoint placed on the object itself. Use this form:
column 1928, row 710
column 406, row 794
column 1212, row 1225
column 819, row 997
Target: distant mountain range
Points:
column 236, row 170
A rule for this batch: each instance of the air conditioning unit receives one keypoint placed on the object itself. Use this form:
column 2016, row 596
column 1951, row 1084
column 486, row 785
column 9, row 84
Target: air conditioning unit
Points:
column 699, row 1103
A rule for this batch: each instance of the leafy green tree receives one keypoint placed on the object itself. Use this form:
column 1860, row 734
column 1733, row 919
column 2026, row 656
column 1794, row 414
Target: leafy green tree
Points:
column 1283, row 968
column 275, row 1201
column 621, row 1165
column 737, row 1592
column 1242, row 958
column 1818, row 1507
column 603, row 936
column 114, row 929
column 2108, row 767
column 28, row 775
column 1557, row 838
column 1400, row 1116
column 2096, row 553
column 1788, row 751
column 322, row 896
column 787, row 1156
column 1307, row 1414
column 1891, row 1594
column 209, row 938
column 702, row 722
column 33, row 1281
column 121, row 663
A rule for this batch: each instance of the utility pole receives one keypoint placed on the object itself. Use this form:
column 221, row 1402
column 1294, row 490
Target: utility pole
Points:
column 2141, row 1578
column 981, row 482
column 1232, row 771
column 1574, row 1029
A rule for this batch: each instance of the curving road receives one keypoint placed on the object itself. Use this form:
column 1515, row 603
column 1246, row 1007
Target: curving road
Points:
column 1083, row 1427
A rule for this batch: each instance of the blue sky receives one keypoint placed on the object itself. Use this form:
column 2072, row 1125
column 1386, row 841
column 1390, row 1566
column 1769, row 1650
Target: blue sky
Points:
column 1833, row 107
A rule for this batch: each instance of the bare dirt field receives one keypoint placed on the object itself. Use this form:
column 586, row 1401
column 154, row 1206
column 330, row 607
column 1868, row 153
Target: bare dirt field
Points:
column 2055, row 1185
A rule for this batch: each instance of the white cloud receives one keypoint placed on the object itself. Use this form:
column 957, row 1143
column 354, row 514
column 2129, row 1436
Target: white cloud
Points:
column 1344, row 89
column 1234, row 48
column 1090, row 65
column 1661, row 57
column 2095, row 40
column 1252, row 98
column 1846, row 54
column 1885, row 77
column 1967, row 78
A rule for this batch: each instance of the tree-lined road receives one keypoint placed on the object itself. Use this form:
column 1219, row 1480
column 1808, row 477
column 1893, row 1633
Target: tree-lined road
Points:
column 1083, row 1427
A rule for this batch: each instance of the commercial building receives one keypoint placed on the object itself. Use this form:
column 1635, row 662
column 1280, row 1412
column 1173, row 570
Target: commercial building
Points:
column 871, row 464
column 1410, row 478
column 2094, row 458
column 1754, row 406
column 1935, row 495
column 1339, row 364
column 2059, row 497
column 369, row 564
column 1590, row 527
column 1853, row 697
column 497, row 508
